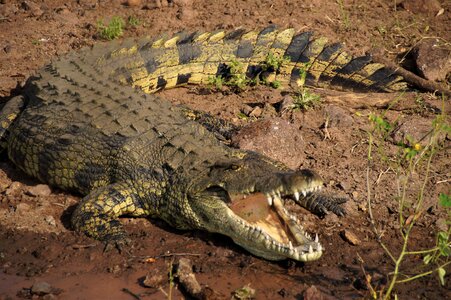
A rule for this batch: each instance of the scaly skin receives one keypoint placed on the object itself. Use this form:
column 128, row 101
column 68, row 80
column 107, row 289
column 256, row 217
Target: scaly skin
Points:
column 82, row 125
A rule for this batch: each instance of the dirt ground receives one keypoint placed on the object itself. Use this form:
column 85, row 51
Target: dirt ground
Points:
column 37, row 244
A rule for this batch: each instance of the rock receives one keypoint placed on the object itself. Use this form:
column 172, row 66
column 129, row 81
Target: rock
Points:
column 415, row 130
column 256, row 112
column 22, row 208
column 50, row 220
column 39, row 190
column 13, row 187
column 41, row 288
column 132, row 3
column 337, row 117
column 273, row 137
column 154, row 279
column 429, row 7
column 350, row 237
column 433, row 59
column 33, row 8
column 187, row 278
column 183, row 3
column 312, row 293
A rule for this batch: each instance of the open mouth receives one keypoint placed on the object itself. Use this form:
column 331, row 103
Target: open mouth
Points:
column 265, row 216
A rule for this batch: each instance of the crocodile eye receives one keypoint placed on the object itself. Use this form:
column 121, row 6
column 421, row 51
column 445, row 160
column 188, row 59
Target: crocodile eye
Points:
column 235, row 167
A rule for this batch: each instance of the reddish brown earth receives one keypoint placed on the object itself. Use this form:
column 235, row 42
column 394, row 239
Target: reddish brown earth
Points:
column 37, row 244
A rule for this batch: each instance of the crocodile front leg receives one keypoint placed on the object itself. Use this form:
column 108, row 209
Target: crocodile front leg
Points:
column 97, row 214
column 321, row 204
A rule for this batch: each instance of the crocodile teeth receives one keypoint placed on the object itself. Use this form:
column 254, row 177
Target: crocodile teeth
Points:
column 296, row 196
column 269, row 199
column 319, row 248
column 316, row 238
column 290, row 245
column 304, row 193
column 310, row 249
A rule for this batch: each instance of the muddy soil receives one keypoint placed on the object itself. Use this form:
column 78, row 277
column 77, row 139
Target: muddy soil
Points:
column 37, row 245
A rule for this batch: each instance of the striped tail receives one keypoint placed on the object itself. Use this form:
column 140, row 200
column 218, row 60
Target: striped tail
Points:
column 165, row 62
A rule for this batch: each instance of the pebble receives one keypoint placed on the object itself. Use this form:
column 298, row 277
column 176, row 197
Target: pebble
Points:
column 256, row 112
column 337, row 117
column 187, row 278
column 22, row 208
column 33, row 8
column 154, row 279
column 432, row 59
column 50, row 220
column 15, row 186
column 133, row 3
column 41, row 288
column 429, row 7
column 312, row 293
column 350, row 237
column 39, row 190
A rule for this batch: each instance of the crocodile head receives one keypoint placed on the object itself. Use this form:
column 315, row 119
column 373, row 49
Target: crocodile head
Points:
column 244, row 199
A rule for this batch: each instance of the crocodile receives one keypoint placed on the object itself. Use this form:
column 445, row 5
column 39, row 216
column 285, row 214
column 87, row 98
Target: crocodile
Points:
column 90, row 123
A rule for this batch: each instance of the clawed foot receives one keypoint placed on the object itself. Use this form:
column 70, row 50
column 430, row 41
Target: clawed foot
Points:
column 120, row 242
column 323, row 204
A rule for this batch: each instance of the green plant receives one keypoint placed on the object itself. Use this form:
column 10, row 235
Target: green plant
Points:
column 304, row 99
column 410, row 158
column 133, row 21
column 344, row 15
column 113, row 30
column 234, row 75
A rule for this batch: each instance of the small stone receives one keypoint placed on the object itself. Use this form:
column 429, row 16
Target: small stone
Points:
column 187, row 278
column 415, row 130
column 337, row 117
column 312, row 293
column 22, row 208
column 41, row 288
column 350, row 237
column 355, row 195
column 33, row 8
column 154, row 279
column 429, row 7
column 50, row 220
column 432, row 58
column 183, row 3
column 133, row 3
column 256, row 112
column 13, row 187
column 247, row 109
column 39, row 190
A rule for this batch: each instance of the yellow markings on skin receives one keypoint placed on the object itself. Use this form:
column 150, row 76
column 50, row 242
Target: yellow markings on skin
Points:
column 367, row 71
column 261, row 46
column 216, row 37
column 396, row 85
column 172, row 42
column 125, row 51
column 201, row 38
column 12, row 116
column 158, row 43
column 342, row 59
column 314, row 48
column 283, row 38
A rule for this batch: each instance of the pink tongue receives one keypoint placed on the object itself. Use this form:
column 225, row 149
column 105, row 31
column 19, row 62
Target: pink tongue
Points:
column 252, row 208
